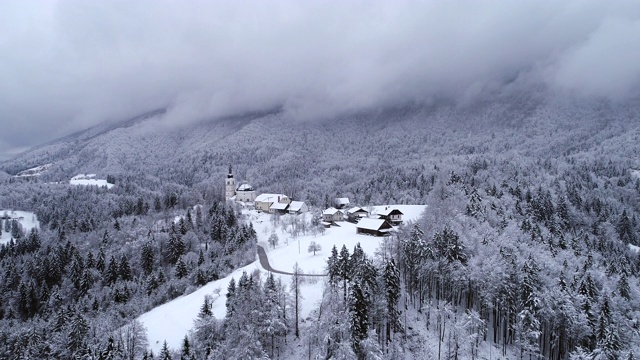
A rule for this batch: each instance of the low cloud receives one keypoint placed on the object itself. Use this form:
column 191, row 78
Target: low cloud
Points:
column 66, row 65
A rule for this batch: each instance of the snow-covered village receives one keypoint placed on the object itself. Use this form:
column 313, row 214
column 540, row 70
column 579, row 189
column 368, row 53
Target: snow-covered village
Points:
column 386, row 180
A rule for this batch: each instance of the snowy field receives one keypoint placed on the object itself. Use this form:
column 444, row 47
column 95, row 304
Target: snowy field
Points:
column 173, row 320
column 28, row 220
column 34, row 171
column 89, row 179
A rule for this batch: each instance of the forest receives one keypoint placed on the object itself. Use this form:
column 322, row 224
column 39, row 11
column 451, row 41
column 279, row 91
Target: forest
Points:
column 524, row 248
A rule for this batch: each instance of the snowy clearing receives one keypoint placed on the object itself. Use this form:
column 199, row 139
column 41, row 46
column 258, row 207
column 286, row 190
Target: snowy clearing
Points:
column 173, row 320
column 88, row 180
column 27, row 220
column 34, row 171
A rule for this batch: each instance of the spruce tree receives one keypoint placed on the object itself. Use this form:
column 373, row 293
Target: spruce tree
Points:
column 124, row 270
column 181, row 269
column 147, row 258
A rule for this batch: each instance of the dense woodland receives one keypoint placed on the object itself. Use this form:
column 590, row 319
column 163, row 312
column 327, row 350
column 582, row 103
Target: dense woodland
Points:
column 532, row 204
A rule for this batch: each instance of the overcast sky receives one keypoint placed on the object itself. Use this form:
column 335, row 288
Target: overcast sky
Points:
column 66, row 65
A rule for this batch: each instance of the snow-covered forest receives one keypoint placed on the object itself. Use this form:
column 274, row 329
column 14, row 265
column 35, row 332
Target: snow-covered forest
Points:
column 525, row 249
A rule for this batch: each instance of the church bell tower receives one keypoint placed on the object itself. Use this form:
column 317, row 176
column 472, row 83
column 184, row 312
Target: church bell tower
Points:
column 230, row 185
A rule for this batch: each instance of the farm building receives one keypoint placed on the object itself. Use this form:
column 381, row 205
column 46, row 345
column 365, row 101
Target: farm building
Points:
column 375, row 227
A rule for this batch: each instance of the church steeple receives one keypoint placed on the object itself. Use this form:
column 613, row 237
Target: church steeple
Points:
column 230, row 185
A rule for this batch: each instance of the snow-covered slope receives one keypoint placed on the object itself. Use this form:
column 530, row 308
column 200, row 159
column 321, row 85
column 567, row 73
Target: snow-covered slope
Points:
column 26, row 219
column 173, row 320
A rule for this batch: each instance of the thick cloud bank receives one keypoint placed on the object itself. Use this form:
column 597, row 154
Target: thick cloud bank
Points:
column 65, row 65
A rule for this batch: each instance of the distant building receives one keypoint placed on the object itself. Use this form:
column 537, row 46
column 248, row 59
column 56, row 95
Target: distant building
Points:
column 341, row 203
column 278, row 208
column 263, row 202
column 230, row 185
column 356, row 213
column 375, row 227
column 244, row 192
column 332, row 214
column 392, row 215
column 298, row 207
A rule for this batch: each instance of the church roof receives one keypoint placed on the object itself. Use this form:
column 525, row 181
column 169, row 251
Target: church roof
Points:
column 244, row 187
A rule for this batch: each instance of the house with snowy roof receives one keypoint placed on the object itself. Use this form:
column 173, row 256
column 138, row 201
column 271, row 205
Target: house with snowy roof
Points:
column 264, row 202
column 341, row 203
column 356, row 213
column 332, row 214
column 279, row 208
column 392, row 215
column 297, row 207
column 375, row 227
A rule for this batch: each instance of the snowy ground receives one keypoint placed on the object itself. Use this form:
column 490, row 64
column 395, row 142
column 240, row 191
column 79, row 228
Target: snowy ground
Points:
column 34, row 171
column 635, row 172
column 89, row 179
column 173, row 320
column 28, row 220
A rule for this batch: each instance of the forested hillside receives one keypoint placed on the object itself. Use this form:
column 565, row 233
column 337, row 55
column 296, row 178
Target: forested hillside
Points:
column 532, row 206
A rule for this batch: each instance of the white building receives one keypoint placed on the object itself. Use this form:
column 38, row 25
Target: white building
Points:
column 298, row 207
column 264, row 201
column 244, row 192
column 332, row 214
column 230, row 186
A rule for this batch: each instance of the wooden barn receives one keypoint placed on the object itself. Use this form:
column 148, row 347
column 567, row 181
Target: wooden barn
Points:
column 375, row 227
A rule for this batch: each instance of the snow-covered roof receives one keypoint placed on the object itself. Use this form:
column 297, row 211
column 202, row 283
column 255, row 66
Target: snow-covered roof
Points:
column 371, row 224
column 331, row 211
column 269, row 197
column 342, row 201
column 244, row 187
column 279, row 206
column 296, row 205
column 387, row 211
column 355, row 209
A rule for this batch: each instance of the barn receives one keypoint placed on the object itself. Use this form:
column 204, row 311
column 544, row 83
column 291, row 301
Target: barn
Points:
column 375, row 227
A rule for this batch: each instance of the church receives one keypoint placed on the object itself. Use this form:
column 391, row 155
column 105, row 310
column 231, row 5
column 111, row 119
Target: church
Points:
column 244, row 192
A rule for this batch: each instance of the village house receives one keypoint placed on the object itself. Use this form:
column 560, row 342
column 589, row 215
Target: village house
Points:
column 375, row 227
column 279, row 208
column 298, row 207
column 392, row 215
column 356, row 213
column 263, row 202
column 332, row 214
column 341, row 203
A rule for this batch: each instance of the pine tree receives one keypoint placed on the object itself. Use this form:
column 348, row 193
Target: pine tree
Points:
column 124, row 270
column 185, row 352
column 625, row 229
column 165, row 354
column 100, row 263
column 344, row 269
column 332, row 266
column 175, row 248
column 231, row 291
column 147, row 258
column 623, row 286
column 111, row 274
column 200, row 257
column 358, row 318
column 181, row 269
column 391, row 279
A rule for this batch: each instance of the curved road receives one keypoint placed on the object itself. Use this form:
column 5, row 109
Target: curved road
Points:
column 264, row 261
